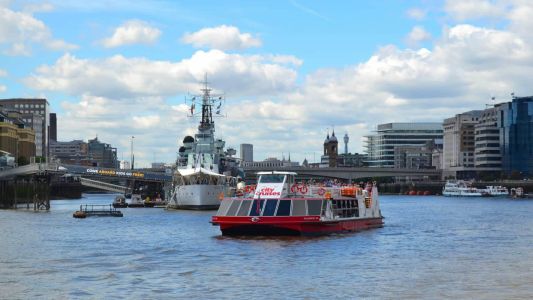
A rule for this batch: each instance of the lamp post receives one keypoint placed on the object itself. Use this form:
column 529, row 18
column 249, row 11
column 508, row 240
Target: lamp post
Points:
column 132, row 156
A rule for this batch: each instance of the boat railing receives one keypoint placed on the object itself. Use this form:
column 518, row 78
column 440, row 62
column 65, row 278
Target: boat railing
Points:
column 97, row 208
column 325, row 191
column 312, row 191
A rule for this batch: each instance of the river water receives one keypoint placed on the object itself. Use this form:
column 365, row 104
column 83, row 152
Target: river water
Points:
column 430, row 247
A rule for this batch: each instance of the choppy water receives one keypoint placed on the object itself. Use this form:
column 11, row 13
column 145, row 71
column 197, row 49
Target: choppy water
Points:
column 430, row 247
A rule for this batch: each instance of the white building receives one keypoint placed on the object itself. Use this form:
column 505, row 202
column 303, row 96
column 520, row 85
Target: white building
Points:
column 247, row 152
column 380, row 147
column 125, row 165
column 459, row 144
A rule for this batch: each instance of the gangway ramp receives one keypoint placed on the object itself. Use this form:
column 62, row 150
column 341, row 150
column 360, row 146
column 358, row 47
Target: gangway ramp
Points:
column 104, row 186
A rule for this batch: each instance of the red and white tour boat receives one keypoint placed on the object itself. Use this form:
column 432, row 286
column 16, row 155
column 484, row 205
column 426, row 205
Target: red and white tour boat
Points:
column 280, row 206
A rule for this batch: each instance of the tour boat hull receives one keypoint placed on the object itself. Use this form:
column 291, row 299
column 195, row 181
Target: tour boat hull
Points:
column 308, row 225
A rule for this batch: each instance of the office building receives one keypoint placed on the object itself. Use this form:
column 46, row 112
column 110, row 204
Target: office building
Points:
column 271, row 162
column 16, row 137
column 102, row 154
column 487, row 154
column 35, row 113
column 53, row 127
column 516, row 136
column 413, row 157
column 74, row 152
column 459, row 145
column 247, row 152
column 350, row 160
column 381, row 148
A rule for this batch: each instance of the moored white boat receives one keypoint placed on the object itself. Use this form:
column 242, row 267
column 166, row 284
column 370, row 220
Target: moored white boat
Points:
column 198, row 189
column 460, row 188
column 495, row 191
column 204, row 170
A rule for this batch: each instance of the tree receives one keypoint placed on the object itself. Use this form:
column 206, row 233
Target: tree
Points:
column 22, row 161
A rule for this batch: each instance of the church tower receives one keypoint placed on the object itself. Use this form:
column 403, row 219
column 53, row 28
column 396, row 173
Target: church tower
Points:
column 331, row 149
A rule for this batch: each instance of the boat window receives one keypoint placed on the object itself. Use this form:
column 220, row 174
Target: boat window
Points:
column 271, row 178
column 224, row 205
column 270, row 207
column 257, row 205
column 233, row 208
column 284, row 208
column 245, row 207
column 314, row 207
column 298, row 208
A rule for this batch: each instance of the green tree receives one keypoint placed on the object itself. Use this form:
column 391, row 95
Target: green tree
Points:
column 22, row 161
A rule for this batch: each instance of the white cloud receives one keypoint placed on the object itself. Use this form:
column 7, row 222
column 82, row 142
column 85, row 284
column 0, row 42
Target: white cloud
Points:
column 3, row 88
column 119, row 77
column 132, row 32
column 32, row 8
column 416, row 14
column 3, row 73
column 152, row 121
column 417, row 35
column 474, row 9
column 222, row 37
column 120, row 97
column 18, row 30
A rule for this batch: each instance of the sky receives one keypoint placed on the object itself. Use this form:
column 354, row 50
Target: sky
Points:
column 291, row 71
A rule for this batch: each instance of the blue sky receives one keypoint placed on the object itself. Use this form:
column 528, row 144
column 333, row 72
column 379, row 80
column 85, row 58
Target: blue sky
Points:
column 291, row 70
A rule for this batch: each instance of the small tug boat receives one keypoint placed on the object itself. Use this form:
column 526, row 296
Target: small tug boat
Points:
column 120, row 202
column 280, row 206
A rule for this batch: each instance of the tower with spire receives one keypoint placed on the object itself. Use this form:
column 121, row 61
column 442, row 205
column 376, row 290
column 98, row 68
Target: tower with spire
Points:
column 330, row 150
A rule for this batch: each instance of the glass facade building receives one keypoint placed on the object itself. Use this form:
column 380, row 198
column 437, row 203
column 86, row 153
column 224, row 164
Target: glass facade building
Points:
column 381, row 147
column 516, row 135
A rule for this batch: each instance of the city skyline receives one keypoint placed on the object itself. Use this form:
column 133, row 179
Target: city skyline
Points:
column 290, row 70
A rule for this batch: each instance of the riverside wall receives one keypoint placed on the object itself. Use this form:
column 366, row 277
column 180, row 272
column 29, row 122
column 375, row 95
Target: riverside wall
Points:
column 435, row 187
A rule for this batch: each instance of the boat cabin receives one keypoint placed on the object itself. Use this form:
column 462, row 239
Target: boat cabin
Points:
column 285, row 207
column 274, row 184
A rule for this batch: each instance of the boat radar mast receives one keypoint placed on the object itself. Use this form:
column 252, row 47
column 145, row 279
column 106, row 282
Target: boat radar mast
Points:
column 209, row 101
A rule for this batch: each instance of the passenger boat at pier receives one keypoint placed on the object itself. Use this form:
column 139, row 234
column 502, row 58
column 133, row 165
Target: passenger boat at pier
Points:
column 460, row 188
column 280, row 206
column 495, row 191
